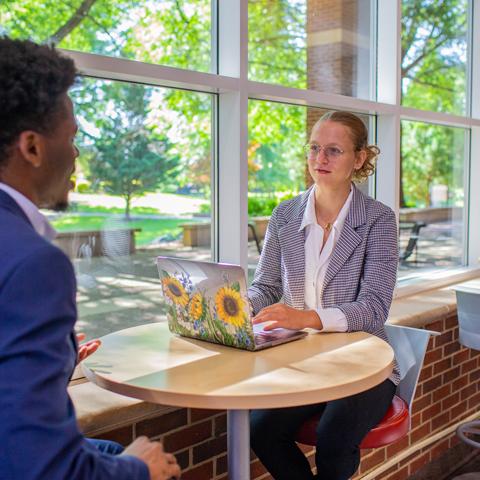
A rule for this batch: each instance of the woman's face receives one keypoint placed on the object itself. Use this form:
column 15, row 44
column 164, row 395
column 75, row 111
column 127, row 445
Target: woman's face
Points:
column 337, row 165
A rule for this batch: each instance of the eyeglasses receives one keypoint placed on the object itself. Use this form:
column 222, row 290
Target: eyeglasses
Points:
column 312, row 150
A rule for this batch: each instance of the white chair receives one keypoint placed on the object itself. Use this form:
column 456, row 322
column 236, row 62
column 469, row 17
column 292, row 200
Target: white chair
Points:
column 468, row 311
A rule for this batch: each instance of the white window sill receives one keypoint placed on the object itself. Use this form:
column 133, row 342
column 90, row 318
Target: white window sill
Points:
column 434, row 279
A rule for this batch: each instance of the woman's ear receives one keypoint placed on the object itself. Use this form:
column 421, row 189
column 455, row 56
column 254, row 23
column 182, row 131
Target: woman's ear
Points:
column 360, row 158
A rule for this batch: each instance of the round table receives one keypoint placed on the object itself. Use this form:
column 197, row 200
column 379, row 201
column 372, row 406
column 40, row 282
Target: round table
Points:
column 149, row 363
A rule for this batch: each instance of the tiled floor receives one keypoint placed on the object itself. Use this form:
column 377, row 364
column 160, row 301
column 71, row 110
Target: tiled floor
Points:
column 461, row 462
column 469, row 471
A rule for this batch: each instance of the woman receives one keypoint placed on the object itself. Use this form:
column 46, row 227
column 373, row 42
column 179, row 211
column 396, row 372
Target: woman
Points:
column 331, row 253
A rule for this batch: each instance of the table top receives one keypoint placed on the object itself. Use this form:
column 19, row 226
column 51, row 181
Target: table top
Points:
column 149, row 363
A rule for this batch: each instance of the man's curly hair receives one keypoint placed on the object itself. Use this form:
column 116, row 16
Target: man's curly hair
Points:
column 33, row 80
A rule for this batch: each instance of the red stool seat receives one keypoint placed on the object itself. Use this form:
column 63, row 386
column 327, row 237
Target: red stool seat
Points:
column 393, row 427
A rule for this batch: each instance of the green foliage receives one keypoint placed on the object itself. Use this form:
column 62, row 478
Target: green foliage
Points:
column 432, row 155
column 169, row 144
column 277, row 53
column 434, row 51
column 277, row 41
column 277, row 134
column 127, row 157
column 172, row 32
column 259, row 206
column 433, row 78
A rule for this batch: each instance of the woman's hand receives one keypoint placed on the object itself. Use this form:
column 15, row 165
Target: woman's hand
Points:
column 86, row 349
column 283, row 316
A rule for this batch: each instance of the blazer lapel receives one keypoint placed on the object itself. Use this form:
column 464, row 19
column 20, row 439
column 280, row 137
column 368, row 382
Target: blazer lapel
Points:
column 349, row 238
column 8, row 203
column 292, row 242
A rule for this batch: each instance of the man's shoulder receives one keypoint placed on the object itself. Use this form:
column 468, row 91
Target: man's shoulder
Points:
column 19, row 242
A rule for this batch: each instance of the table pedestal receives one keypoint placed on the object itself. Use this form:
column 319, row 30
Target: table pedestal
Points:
column 238, row 437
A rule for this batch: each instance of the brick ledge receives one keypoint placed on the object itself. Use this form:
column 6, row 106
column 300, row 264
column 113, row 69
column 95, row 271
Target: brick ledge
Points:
column 99, row 410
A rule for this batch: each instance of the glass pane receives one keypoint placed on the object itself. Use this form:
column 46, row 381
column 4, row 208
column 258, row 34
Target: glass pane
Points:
column 316, row 44
column 142, row 189
column 277, row 169
column 431, row 197
column 434, row 55
column 171, row 32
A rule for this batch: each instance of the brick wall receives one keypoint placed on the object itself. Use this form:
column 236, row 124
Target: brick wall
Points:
column 447, row 392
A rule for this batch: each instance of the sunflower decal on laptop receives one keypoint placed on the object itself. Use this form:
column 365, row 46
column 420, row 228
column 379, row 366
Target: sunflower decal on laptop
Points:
column 230, row 306
column 219, row 316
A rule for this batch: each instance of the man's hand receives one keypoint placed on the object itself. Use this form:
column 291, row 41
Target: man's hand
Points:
column 87, row 348
column 161, row 465
column 283, row 316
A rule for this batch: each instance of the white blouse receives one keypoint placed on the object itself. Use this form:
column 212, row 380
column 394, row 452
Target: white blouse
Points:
column 317, row 261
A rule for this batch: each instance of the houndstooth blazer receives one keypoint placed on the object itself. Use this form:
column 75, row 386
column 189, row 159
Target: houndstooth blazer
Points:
column 360, row 277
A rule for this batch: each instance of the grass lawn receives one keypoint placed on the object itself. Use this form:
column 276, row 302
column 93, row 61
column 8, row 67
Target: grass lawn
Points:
column 77, row 207
column 151, row 228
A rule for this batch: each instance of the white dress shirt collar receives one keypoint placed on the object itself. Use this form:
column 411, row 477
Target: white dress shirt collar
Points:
column 310, row 217
column 39, row 222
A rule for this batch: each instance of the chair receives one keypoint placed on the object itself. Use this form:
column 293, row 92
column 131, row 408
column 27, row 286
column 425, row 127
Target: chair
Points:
column 468, row 311
column 253, row 230
column 412, row 245
column 409, row 345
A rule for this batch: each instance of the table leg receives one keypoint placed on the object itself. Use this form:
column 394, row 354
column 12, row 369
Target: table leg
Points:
column 238, row 434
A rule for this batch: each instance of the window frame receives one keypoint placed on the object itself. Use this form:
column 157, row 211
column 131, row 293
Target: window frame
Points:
column 233, row 90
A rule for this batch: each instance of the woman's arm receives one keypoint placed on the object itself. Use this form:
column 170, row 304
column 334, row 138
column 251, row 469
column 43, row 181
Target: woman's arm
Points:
column 267, row 286
column 370, row 310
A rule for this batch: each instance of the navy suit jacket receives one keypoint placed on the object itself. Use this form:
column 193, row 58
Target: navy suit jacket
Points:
column 39, row 436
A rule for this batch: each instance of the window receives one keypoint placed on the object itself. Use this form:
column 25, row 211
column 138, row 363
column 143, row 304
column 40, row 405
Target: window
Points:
column 432, row 197
column 158, row 175
column 316, row 44
column 434, row 55
column 173, row 33
column 143, row 188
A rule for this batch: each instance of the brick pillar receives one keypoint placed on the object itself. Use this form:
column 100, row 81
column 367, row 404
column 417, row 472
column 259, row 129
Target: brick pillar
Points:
column 334, row 51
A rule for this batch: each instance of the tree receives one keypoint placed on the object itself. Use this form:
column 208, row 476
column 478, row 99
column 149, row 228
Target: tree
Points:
column 127, row 158
column 157, row 32
column 277, row 132
column 178, row 33
column 433, row 78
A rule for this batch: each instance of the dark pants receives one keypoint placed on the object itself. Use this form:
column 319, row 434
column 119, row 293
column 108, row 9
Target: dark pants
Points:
column 106, row 446
column 342, row 426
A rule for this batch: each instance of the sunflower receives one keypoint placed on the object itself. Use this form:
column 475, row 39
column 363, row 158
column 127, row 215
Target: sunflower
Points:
column 230, row 306
column 174, row 289
column 196, row 306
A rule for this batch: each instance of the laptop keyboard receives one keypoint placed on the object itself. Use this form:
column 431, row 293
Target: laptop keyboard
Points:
column 261, row 338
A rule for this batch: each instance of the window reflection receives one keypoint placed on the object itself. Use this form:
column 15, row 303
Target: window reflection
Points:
column 143, row 188
column 431, row 197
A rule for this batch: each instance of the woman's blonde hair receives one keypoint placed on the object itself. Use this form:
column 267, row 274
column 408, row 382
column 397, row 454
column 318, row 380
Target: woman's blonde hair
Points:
column 359, row 136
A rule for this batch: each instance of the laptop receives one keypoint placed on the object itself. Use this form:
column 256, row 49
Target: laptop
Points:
column 208, row 301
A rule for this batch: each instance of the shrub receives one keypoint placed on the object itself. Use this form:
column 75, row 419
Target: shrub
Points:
column 263, row 206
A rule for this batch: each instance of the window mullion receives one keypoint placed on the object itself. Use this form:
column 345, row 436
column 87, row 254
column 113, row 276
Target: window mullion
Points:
column 232, row 137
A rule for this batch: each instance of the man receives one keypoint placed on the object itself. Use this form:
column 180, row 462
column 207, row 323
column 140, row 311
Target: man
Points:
column 39, row 435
